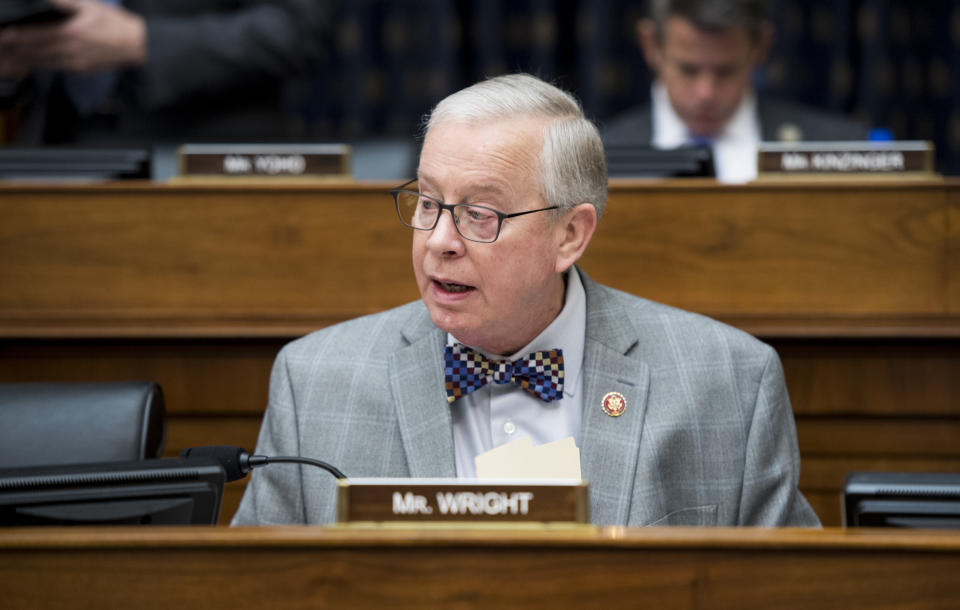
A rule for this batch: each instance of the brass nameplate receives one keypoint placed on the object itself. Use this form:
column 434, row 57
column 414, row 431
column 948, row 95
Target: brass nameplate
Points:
column 844, row 158
column 264, row 160
column 384, row 500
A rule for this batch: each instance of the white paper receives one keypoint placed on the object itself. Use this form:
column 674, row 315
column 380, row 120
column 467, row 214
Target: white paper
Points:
column 519, row 459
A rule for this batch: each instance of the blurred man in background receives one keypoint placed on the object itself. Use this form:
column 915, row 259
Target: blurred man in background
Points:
column 704, row 53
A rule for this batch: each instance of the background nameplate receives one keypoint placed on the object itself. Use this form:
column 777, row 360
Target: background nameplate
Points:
column 264, row 160
column 844, row 158
column 366, row 500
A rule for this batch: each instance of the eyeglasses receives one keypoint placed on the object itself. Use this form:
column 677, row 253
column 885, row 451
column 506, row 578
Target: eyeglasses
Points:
column 474, row 222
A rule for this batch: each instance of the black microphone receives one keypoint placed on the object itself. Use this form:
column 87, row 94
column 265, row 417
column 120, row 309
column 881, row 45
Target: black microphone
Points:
column 236, row 462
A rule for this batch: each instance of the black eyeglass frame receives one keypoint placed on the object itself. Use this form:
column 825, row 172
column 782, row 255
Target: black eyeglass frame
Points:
column 446, row 206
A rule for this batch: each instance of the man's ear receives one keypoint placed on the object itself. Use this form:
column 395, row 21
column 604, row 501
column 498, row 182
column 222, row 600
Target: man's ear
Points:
column 650, row 44
column 576, row 229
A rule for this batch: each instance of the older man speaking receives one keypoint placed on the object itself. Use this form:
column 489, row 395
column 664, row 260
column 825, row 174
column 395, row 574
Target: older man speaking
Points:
column 680, row 420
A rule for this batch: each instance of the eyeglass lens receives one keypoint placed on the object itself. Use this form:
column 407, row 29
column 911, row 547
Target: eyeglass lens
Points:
column 473, row 222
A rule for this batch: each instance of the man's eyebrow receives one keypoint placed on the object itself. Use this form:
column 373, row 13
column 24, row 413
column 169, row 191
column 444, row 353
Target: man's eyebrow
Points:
column 481, row 189
column 424, row 180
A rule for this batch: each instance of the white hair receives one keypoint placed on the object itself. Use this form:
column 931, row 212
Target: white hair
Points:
column 573, row 165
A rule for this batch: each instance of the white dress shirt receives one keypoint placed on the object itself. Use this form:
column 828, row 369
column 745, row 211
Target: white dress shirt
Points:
column 497, row 414
column 734, row 148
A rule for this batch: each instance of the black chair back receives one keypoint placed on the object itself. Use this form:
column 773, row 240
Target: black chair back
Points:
column 64, row 423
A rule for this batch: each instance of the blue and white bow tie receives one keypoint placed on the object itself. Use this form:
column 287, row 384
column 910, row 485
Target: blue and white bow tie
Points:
column 466, row 370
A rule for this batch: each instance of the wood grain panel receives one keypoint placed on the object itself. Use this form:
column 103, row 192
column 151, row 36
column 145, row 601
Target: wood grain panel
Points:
column 828, row 506
column 902, row 437
column 185, row 432
column 162, row 252
column 953, row 251
column 147, row 260
column 872, row 376
column 778, row 249
column 828, row 472
column 198, row 377
column 516, row 568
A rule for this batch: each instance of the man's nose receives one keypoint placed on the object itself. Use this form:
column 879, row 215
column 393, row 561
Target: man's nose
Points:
column 445, row 236
column 705, row 86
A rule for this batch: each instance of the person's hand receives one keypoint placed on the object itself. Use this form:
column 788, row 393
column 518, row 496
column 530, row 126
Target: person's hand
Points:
column 11, row 69
column 97, row 36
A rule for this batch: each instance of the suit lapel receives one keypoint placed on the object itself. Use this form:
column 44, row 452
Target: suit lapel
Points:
column 610, row 445
column 416, row 380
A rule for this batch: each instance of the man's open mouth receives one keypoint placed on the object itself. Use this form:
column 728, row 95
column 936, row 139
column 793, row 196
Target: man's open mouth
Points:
column 451, row 287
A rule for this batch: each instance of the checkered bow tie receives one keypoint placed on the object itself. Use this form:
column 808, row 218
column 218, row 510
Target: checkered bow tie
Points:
column 540, row 373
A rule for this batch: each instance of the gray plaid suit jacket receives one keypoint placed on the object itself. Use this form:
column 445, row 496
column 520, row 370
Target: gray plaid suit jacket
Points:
column 707, row 437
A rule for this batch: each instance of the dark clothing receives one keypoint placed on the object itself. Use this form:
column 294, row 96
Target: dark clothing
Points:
column 216, row 70
column 635, row 127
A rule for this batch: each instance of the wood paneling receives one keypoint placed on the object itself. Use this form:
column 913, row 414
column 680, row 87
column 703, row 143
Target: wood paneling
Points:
column 899, row 437
column 191, row 258
column 198, row 377
column 472, row 568
column 194, row 431
column 232, row 494
column 826, row 472
column 953, row 250
column 781, row 249
column 148, row 260
column 873, row 377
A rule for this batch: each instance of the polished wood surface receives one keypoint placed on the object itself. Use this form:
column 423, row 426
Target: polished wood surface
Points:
column 140, row 260
column 856, row 284
column 189, row 260
column 303, row 567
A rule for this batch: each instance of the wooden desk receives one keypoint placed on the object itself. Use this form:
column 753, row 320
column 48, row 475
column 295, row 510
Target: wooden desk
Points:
column 857, row 285
column 590, row 568
column 870, row 259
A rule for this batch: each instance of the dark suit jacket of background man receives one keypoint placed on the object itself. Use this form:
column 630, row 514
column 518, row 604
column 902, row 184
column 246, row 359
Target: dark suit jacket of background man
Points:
column 635, row 127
